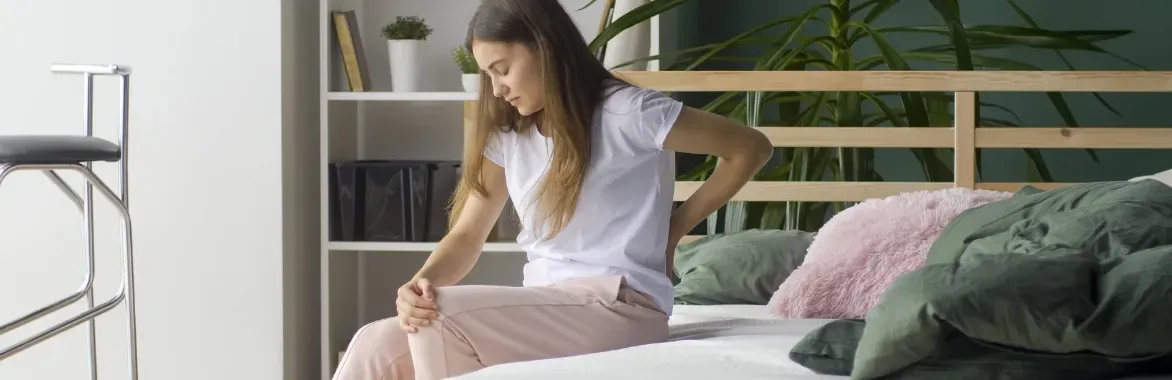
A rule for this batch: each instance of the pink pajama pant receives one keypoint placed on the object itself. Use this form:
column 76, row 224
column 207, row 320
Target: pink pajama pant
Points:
column 481, row 326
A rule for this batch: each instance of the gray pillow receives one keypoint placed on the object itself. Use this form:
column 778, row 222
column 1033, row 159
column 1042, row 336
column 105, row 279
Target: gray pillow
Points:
column 743, row 267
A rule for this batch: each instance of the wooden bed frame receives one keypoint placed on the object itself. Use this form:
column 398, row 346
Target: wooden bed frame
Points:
column 965, row 137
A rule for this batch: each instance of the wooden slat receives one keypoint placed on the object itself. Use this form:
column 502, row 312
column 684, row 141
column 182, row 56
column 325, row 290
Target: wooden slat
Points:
column 949, row 81
column 811, row 191
column 1015, row 186
column 965, row 125
column 876, row 193
column 829, row 191
column 470, row 111
column 859, row 137
column 986, row 137
column 997, row 186
column 1100, row 138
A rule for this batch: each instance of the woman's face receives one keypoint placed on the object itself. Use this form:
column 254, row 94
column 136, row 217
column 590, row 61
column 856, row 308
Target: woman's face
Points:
column 515, row 72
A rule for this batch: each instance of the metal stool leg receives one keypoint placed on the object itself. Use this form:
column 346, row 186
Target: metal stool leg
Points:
column 77, row 153
column 87, row 282
column 127, row 238
column 124, row 186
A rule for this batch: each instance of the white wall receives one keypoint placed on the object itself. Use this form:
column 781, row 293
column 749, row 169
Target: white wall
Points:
column 223, row 184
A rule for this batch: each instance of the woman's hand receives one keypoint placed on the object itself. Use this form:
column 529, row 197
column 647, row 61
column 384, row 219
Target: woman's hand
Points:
column 673, row 240
column 457, row 252
column 671, row 266
column 416, row 305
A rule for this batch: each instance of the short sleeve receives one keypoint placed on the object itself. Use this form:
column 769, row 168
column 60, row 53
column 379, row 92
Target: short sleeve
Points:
column 494, row 149
column 656, row 114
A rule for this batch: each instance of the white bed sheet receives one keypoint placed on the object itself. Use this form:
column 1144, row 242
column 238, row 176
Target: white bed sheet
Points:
column 684, row 314
column 707, row 342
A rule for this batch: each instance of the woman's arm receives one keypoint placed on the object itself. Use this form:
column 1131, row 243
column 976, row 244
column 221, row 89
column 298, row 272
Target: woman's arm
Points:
column 457, row 252
column 742, row 152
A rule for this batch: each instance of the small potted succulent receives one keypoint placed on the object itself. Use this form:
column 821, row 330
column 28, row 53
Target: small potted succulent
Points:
column 469, row 71
column 405, row 38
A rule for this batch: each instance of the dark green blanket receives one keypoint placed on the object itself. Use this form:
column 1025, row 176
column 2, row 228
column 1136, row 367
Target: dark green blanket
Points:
column 1073, row 283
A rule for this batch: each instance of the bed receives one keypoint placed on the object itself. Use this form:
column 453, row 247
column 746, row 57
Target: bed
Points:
column 747, row 342
column 707, row 342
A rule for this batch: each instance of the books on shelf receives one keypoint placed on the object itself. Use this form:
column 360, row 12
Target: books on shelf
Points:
column 350, row 47
column 359, row 86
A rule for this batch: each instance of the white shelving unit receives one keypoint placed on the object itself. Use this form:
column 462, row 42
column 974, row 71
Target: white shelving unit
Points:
column 374, row 246
column 402, row 96
column 330, row 353
column 332, row 106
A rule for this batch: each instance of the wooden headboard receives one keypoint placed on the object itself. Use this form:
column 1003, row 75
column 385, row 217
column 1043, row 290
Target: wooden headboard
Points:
column 964, row 136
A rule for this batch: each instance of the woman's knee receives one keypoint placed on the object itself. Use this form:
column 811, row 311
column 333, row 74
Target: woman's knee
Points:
column 377, row 351
column 378, row 337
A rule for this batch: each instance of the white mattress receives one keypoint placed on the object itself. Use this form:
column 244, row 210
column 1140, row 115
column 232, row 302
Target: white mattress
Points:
column 707, row 342
column 685, row 314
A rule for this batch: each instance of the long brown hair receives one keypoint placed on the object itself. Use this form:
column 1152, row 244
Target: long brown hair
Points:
column 573, row 81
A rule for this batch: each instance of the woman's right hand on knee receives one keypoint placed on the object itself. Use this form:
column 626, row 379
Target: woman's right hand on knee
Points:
column 416, row 305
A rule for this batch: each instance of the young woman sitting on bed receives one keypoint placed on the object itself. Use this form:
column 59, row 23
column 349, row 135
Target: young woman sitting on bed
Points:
column 588, row 161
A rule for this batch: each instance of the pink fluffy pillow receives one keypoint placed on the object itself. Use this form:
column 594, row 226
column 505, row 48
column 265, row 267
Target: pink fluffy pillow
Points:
column 859, row 252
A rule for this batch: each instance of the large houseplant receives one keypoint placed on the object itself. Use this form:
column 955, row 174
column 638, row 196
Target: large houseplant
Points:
column 847, row 25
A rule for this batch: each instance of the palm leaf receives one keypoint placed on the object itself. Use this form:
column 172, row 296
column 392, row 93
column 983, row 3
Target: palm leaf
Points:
column 913, row 103
column 880, row 8
column 1020, row 36
column 758, row 29
column 1056, row 98
column 777, row 58
column 1030, row 20
column 791, row 50
column 634, row 17
column 588, row 4
column 691, row 50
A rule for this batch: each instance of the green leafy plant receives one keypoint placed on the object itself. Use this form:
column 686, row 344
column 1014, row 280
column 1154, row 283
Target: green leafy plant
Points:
column 963, row 47
column 465, row 60
column 407, row 28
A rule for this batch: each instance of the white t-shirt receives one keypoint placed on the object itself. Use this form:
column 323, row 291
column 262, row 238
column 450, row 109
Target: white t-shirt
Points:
column 620, row 226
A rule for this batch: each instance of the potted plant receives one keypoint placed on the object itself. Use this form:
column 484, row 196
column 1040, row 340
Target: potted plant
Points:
column 796, row 47
column 405, row 39
column 469, row 71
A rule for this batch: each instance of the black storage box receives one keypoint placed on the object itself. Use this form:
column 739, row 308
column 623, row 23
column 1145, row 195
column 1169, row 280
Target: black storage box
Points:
column 391, row 200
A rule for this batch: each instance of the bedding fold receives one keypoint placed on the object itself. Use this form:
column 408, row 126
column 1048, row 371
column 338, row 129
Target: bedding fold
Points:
column 1069, row 283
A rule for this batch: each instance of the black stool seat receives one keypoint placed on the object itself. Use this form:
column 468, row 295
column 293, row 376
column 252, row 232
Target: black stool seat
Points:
column 51, row 149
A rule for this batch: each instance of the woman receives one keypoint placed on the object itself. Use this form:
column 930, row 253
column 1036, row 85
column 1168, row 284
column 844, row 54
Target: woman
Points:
column 588, row 161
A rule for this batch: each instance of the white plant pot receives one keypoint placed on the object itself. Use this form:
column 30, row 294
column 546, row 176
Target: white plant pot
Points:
column 632, row 43
column 471, row 82
column 406, row 68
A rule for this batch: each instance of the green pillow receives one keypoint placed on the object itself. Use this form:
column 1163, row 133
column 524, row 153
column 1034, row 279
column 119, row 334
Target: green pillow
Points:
column 743, row 267
column 830, row 350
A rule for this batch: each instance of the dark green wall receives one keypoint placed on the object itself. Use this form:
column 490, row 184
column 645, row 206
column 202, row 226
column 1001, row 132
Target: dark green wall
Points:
column 710, row 21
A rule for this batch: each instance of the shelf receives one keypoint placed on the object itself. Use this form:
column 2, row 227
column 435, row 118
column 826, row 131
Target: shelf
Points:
column 377, row 96
column 380, row 246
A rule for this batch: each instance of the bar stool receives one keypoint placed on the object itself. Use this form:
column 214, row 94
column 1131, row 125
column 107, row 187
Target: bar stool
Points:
column 77, row 153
